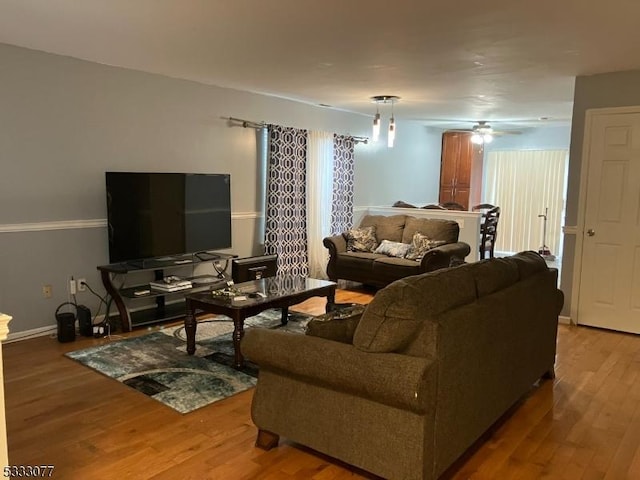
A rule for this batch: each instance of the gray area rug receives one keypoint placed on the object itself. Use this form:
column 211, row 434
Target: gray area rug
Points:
column 157, row 364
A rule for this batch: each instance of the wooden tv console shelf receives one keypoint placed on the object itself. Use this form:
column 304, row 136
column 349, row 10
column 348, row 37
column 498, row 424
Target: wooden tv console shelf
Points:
column 124, row 295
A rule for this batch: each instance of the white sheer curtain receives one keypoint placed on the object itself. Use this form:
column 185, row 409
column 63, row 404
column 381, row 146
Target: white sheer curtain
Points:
column 319, row 199
column 523, row 183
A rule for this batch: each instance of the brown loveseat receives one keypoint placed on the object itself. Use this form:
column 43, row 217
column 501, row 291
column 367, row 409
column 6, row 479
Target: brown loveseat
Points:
column 379, row 269
column 432, row 363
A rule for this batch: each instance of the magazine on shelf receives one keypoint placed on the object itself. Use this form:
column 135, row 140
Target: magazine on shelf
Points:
column 171, row 284
column 171, row 288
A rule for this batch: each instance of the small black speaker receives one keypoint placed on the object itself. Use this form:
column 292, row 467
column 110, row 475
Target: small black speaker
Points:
column 84, row 321
column 66, row 324
column 66, row 327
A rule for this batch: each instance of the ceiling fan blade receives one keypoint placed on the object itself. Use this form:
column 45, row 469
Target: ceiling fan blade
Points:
column 506, row 132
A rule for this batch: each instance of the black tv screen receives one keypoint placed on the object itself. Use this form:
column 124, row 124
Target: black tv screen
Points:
column 164, row 214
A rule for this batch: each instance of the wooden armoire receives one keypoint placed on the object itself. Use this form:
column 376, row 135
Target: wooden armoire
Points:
column 460, row 170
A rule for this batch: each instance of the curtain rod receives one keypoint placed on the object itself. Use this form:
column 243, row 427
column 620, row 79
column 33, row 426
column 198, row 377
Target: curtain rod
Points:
column 258, row 125
column 246, row 123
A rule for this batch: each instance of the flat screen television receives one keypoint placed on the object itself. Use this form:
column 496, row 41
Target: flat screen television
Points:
column 166, row 214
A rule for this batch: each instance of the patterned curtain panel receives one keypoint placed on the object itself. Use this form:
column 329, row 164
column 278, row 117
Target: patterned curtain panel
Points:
column 342, row 209
column 286, row 209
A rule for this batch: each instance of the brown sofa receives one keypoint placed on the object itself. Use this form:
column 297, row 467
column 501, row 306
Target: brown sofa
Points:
column 378, row 269
column 431, row 364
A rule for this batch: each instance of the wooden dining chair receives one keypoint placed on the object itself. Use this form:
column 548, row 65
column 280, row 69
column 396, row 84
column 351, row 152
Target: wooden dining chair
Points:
column 488, row 228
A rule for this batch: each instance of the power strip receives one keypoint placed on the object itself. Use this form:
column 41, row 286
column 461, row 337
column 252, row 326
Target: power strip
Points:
column 101, row 330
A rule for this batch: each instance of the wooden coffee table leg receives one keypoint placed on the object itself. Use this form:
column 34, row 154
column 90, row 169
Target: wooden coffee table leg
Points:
column 331, row 300
column 190, row 325
column 238, row 333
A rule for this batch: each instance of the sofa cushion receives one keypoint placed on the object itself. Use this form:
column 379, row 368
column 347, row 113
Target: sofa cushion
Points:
column 434, row 228
column 391, row 268
column 387, row 227
column 421, row 244
column 528, row 263
column 395, row 315
column 362, row 239
column 359, row 264
column 493, row 274
column 393, row 249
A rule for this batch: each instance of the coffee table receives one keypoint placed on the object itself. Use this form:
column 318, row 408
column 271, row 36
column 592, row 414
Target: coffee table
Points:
column 281, row 291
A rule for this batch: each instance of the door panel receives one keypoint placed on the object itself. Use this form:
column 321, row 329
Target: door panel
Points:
column 612, row 191
column 610, row 277
column 635, row 281
column 446, row 195
column 463, row 174
column 606, row 259
column 449, row 163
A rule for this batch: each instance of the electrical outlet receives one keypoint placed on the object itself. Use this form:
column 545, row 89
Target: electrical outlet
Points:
column 82, row 284
column 47, row 291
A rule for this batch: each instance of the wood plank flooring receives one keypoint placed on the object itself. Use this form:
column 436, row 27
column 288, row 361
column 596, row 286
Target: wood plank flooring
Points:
column 585, row 424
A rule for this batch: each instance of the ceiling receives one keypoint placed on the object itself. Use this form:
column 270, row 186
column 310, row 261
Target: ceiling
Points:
column 452, row 62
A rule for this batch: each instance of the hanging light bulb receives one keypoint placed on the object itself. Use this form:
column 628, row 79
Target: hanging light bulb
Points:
column 487, row 138
column 376, row 126
column 392, row 129
column 392, row 132
column 476, row 138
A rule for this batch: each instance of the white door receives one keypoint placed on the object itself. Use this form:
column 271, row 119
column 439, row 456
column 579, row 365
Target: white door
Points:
column 610, row 277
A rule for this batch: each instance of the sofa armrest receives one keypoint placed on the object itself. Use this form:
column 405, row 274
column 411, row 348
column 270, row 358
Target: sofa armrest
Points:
column 336, row 244
column 442, row 256
column 400, row 381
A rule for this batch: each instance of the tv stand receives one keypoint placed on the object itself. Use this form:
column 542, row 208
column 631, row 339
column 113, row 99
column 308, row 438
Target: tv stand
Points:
column 166, row 305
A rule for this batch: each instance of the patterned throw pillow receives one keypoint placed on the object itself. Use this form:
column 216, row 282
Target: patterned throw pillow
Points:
column 421, row 244
column 362, row 239
column 393, row 249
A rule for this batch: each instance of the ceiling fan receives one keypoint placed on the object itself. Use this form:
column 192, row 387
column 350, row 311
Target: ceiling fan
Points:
column 483, row 133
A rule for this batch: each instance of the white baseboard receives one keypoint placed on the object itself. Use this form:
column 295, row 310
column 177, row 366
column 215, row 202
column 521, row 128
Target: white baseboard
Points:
column 39, row 332
column 36, row 332
column 565, row 320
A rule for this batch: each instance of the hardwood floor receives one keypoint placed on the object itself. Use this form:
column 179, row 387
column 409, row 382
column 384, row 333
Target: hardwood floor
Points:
column 585, row 424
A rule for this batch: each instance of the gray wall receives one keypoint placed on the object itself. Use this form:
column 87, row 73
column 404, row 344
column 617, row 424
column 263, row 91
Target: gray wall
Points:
column 619, row 89
column 64, row 122
column 408, row 172
column 543, row 138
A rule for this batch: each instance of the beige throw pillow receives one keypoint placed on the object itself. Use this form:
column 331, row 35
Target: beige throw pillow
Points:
column 362, row 239
column 421, row 244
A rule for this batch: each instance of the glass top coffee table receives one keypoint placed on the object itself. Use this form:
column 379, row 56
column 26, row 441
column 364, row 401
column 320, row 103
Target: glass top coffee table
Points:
column 250, row 298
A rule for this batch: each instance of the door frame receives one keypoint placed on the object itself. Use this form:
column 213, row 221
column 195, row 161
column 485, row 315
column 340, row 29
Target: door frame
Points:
column 590, row 116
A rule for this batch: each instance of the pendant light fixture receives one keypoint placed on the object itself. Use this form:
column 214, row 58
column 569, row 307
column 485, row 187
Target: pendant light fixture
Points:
column 384, row 99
